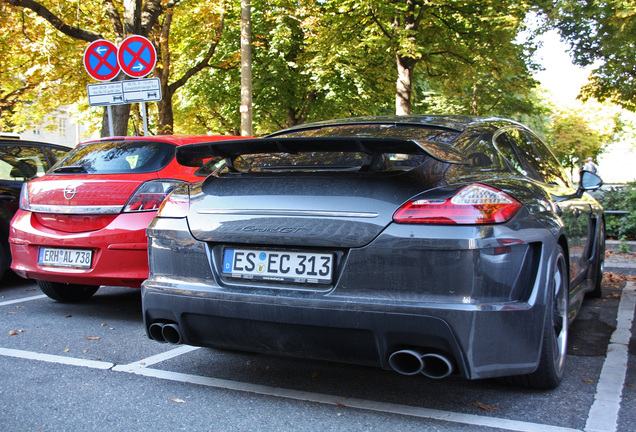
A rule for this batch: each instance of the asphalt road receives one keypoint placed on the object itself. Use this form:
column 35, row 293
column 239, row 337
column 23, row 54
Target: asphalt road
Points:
column 90, row 367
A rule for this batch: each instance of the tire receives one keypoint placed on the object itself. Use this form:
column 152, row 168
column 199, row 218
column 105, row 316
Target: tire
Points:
column 67, row 293
column 600, row 263
column 549, row 373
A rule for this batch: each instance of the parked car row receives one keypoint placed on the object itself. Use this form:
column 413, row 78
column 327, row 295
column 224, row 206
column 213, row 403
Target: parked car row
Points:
column 409, row 243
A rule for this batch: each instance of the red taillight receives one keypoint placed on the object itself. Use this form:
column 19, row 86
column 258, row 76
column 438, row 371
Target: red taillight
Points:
column 474, row 204
column 150, row 195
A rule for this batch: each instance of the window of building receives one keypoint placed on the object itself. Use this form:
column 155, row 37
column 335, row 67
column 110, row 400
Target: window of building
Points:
column 62, row 126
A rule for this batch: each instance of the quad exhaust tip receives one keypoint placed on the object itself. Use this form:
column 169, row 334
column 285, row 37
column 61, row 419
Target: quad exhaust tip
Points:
column 413, row 362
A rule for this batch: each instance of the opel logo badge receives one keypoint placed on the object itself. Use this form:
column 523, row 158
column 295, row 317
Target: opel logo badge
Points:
column 69, row 192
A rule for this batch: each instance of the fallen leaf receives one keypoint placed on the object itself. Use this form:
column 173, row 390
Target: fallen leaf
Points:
column 177, row 400
column 68, row 316
column 13, row 332
column 249, row 362
column 315, row 374
column 85, row 351
column 11, row 313
column 268, row 369
column 587, row 380
column 338, row 404
column 31, row 289
column 486, row 407
column 65, row 350
column 104, row 324
column 92, row 337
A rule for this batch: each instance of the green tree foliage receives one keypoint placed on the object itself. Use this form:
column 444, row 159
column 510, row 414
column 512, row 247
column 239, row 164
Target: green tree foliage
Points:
column 620, row 198
column 603, row 34
column 466, row 49
column 199, row 29
column 311, row 60
column 583, row 131
column 299, row 75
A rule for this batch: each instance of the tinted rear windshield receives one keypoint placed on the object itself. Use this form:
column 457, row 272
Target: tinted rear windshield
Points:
column 326, row 161
column 116, row 157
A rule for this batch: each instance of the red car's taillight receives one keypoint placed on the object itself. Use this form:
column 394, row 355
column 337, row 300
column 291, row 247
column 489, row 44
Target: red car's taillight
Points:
column 471, row 205
column 150, row 195
column 25, row 203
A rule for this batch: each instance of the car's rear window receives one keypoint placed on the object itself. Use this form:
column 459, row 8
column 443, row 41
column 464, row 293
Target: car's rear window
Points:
column 116, row 157
column 326, row 161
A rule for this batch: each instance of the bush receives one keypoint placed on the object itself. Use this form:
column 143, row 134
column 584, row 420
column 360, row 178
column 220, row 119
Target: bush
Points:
column 620, row 198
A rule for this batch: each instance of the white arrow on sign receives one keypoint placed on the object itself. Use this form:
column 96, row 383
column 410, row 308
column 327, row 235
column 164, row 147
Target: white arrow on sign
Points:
column 101, row 50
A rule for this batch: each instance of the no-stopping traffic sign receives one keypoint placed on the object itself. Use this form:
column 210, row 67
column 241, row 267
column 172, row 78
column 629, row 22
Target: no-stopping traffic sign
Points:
column 100, row 60
column 137, row 56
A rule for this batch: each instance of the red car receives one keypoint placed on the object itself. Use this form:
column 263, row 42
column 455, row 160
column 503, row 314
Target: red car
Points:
column 83, row 224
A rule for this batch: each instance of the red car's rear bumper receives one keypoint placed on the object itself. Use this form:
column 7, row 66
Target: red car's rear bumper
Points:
column 120, row 252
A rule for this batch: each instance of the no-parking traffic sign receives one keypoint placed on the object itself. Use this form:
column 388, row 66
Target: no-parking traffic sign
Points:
column 100, row 60
column 137, row 56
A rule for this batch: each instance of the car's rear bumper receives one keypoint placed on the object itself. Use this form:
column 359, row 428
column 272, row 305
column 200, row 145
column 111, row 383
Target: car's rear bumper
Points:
column 484, row 335
column 481, row 343
column 120, row 251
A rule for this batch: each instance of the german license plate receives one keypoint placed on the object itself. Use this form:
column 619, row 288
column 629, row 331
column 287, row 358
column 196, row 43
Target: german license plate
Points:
column 281, row 266
column 73, row 258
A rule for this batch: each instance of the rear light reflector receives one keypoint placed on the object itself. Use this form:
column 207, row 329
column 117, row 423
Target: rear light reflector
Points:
column 471, row 205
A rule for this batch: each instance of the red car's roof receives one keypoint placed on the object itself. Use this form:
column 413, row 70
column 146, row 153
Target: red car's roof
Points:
column 174, row 139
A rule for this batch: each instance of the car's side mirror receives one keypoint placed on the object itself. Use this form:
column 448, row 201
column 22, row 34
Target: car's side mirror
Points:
column 589, row 182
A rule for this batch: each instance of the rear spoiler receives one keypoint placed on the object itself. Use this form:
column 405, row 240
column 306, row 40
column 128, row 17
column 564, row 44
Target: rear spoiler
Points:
column 193, row 155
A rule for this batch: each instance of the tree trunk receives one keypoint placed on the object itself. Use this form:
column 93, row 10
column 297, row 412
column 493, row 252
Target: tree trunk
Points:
column 246, row 69
column 166, row 114
column 120, row 114
column 404, row 85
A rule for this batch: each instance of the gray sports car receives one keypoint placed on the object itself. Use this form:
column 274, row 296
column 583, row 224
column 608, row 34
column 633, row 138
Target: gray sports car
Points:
column 434, row 245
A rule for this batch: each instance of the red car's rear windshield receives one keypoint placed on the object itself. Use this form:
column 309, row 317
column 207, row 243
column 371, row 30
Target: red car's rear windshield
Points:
column 116, row 157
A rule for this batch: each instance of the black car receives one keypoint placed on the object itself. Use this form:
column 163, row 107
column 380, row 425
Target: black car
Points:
column 20, row 160
column 434, row 245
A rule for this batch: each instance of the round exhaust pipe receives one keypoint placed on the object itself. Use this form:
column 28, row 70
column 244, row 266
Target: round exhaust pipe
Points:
column 156, row 332
column 171, row 333
column 406, row 362
column 436, row 366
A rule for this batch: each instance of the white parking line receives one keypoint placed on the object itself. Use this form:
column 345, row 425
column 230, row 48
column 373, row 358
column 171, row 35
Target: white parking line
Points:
column 72, row 361
column 445, row 416
column 131, row 367
column 603, row 415
column 21, row 300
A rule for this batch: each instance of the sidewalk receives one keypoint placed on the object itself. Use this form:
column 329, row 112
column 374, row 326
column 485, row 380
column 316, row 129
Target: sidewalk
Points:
column 620, row 263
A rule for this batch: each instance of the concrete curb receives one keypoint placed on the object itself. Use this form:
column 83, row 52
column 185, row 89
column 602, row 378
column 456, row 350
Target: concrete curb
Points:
column 615, row 244
column 619, row 263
